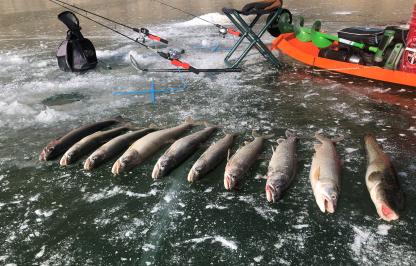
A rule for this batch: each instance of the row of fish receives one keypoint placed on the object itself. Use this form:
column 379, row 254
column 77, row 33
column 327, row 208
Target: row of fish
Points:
column 140, row 144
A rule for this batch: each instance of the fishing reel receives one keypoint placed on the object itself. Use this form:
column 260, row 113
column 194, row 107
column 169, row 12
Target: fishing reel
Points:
column 222, row 31
column 172, row 54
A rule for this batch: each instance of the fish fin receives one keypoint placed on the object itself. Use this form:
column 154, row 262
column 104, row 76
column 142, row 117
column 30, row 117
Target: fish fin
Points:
column 209, row 124
column 316, row 173
column 290, row 134
column 189, row 120
column 131, row 126
column 154, row 126
column 317, row 146
column 273, row 150
column 321, row 137
column 121, row 119
column 338, row 139
column 258, row 135
column 280, row 141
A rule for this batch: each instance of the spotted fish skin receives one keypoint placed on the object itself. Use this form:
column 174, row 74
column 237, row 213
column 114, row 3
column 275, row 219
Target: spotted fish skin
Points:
column 114, row 147
column 241, row 161
column 211, row 158
column 325, row 174
column 382, row 182
column 144, row 147
column 282, row 167
column 179, row 151
column 90, row 143
column 60, row 145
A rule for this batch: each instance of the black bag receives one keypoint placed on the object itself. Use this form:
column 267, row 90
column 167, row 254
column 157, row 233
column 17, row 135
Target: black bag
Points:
column 368, row 36
column 76, row 53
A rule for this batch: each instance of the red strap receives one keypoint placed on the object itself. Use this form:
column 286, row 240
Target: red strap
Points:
column 181, row 64
column 233, row 32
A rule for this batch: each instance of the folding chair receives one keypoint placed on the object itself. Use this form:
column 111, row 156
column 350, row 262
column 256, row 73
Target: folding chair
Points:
column 246, row 30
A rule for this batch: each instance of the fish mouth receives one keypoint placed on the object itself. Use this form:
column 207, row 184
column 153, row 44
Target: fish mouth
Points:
column 88, row 165
column 229, row 182
column 118, row 167
column 64, row 161
column 193, row 175
column 43, row 156
column 386, row 212
column 157, row 171
column 330, row 205
column 271, row 194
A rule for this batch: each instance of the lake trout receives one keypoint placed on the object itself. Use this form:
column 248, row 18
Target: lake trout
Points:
column 114, row 147
column 382, row 182
column 282, row 167
column 61, row 145
column 179, row 151
column 211, row 158
column 242, row 161
column 90, row 143
column 147, row 146
column 325, row 174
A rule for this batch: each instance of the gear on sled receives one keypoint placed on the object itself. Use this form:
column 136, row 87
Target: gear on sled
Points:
column 76, row 53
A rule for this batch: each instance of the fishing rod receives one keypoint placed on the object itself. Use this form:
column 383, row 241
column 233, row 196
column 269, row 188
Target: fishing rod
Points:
column 173, row 58
column 136, row 65
column 222, row 29
column 143, row 31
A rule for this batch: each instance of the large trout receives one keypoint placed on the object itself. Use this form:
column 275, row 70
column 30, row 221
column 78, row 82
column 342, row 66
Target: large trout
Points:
column 147, row 146
column 282, row 167
column 59, row 146
column 211, row 158
column 325, row 174
column 382, row 182
column 241, row 161
column 114, row 147
column 179, row 151
column 90, row 143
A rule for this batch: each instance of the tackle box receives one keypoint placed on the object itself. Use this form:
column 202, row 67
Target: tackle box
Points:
column 369, row 36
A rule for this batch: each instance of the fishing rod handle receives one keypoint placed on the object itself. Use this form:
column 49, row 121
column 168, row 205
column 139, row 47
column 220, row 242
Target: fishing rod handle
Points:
column 147, row 33
column 233, row 32
column 184, row 65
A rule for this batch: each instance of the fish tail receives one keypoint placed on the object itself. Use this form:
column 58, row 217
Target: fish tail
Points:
column 131, row 126
column 258, row 135
column 322, row 138
column 290, row 134
column 121, row 119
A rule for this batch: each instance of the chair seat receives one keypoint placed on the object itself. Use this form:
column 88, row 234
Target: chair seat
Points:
column 256, row 8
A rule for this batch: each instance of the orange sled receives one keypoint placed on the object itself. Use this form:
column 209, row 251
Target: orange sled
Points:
column 307, row 53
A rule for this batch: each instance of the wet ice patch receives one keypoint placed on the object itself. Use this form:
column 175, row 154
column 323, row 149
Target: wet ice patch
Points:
column 227, row 243
column 351, row 150
column 258, row 259
column 42, row 213
column 383, row 229
column 215, row 206
column 300, row 226
column 40, row 253
column 372, row 244
column 50, row 115
column 109, row 193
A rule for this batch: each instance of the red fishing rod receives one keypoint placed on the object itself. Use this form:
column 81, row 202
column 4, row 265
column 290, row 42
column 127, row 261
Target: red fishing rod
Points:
column 172, row 57
column 222, row 29
column 143, row 31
